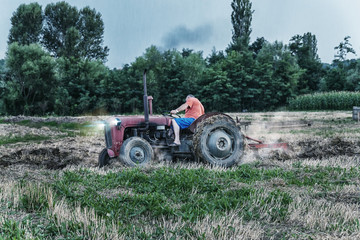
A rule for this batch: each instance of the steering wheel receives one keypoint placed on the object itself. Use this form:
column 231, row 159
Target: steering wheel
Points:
column 168, row 114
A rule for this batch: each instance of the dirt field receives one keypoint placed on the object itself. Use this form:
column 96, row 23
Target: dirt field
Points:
column 56, row 153
column 331, row 134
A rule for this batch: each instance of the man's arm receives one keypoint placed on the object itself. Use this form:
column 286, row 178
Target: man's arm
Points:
column 179, row 109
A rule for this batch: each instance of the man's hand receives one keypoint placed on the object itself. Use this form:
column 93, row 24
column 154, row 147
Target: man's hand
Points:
column 179, row 109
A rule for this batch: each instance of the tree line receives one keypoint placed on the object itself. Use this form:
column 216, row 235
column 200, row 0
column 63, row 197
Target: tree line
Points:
column 55, row 64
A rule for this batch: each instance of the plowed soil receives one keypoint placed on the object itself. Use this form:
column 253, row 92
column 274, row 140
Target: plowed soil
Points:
column 62, row 151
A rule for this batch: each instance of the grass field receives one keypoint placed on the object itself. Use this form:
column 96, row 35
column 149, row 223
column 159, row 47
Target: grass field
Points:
column 50, row 187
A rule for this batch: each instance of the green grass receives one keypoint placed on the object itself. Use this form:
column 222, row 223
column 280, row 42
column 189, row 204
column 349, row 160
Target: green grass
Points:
column 39, row 229
column 25, row 138
column 169, row 193
column 131, row 196
column 11, row 230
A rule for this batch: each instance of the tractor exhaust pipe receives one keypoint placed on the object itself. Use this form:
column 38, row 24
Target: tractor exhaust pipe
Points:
column 146, row 102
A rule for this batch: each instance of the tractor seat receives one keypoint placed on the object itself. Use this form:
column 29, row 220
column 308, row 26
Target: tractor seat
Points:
column 190, row 129
column 186, row 131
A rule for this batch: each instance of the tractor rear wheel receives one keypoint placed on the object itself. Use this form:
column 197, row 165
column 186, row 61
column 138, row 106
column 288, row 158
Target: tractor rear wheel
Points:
column 104, row 158
column 136, row 151
column 218, row 141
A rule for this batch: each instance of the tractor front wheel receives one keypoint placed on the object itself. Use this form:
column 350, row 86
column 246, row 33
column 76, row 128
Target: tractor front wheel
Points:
column 136, row 151
column 104, row 158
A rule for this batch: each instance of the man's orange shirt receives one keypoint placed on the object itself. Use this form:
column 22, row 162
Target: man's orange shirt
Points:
column 195, row 109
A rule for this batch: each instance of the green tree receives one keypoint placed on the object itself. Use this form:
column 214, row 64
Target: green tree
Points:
column 241, row 18
column 193, row 69
column 2, row 86
column 215, row 57
column 152, row 60
column 217, row 90
column 32, row 80
column 335, row 78
column 182, row 77
column 26, row 24
column 239, row 67
column 343, row 49
column 2, row 69
column 277, row 74
column 71, row 44
column 74, row 39
column 72, row 33
column 79, row 81
column 113, row 92
column 91, row 28
column 59, row 18
column 337, row 74
column 353, row 78
column 171, row 76
column 304, row 48
column 256, row 46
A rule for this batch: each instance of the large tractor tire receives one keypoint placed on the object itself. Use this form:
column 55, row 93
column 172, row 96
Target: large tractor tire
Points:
column 136, row 151
column 104, row 158
column 218, row 141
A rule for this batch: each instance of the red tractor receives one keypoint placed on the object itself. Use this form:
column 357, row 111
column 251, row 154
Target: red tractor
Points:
column 214, row 138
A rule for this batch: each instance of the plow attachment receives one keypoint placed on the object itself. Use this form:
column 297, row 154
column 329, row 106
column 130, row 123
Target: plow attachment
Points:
column 260, row 144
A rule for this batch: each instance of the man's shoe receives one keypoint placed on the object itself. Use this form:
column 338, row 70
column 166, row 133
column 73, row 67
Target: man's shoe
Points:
column 174, row 144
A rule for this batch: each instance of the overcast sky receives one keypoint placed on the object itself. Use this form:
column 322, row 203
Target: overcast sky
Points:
column 131, row 26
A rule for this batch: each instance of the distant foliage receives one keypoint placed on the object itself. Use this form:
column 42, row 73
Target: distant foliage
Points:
column 326, row 101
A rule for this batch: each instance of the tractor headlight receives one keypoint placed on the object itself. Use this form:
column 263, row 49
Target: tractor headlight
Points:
column 115, row 122
column 100, row 125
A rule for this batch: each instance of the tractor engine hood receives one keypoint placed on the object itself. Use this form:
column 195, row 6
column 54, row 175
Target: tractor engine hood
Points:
column 139, row 121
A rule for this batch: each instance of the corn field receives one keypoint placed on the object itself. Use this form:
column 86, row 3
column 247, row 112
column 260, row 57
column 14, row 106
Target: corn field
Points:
column 326, row 101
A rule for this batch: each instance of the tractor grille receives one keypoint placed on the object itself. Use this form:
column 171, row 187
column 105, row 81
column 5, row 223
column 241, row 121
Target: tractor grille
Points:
column 108, row 138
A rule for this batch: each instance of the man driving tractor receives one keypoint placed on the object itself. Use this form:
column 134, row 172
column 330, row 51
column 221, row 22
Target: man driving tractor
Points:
column 193, row 109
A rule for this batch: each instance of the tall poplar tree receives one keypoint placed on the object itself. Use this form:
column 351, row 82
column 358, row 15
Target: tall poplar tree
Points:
column 241, row 18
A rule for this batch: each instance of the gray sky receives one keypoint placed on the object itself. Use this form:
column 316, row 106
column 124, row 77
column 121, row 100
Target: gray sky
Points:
column 131, row 26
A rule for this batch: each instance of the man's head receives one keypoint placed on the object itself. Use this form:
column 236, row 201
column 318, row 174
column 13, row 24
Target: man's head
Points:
column 189, row 96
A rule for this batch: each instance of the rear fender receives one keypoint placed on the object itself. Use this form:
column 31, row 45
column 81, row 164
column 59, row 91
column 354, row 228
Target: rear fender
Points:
column 193, row 126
